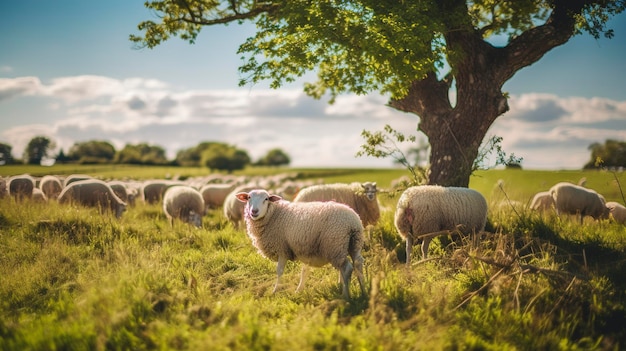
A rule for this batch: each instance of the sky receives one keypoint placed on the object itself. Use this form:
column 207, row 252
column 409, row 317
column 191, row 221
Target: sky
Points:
column 69, row 72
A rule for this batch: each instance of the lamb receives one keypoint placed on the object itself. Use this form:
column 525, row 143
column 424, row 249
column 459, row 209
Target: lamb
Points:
column 577, row 200
column 51, row 186
column 431, row 208
column 361, row 197
column 214, row 195
column 617, row 211
column 21, row 186
column 185, row 203
column 93, row 193
column 542, row 201
column 315, row 233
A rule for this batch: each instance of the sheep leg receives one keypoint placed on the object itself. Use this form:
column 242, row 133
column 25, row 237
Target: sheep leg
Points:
column 280, row 268
column 409, row 249
column 346, row 273
column 358, row 267
column 425, row 243
column 303, row 274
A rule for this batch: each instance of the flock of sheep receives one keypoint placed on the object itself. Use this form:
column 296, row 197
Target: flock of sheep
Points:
column 574, row 199
column 314, row 223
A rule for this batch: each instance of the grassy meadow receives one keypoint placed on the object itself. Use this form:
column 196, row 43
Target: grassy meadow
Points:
column 73, row 279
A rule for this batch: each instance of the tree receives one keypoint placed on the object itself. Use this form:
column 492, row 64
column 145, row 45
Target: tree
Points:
column 192, row 156
column 274, row 157
column 5, row 154
column 413, row 51
column 141, row 153
column 224, row 157
column 612, row 154
column 90, row 152
column 38, row 148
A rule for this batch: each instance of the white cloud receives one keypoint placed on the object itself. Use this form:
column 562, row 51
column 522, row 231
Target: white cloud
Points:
column 547, row 130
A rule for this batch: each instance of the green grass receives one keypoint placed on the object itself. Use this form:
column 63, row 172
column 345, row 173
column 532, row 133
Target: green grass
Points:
column 74, row 279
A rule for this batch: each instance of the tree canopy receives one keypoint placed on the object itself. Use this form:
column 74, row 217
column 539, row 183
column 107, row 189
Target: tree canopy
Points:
column 611, row 154
column 38, row 148
column 415, row 52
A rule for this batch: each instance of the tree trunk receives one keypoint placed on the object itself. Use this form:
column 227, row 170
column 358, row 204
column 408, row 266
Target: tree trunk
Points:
column 479, row 70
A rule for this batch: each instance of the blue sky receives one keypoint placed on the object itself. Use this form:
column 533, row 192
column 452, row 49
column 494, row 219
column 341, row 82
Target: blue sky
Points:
column 68, row 71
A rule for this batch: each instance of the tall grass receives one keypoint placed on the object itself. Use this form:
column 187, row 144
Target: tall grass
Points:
column 72, row 278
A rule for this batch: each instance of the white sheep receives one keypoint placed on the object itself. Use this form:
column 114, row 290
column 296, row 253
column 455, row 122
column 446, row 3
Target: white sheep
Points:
column 577, row 200
column 542, row 201
column 617, row 211
column 233, row 208
column 93, row 193
column 74, row 178
column 215, row 194
column 315, row 233
column 430, row 208
column 51, row 186
column 123, row 191
column 361, row 197
column 185, row 203
column 21, row 186
column 152, row 191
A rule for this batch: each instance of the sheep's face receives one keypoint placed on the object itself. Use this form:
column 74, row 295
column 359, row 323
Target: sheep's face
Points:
column 257, row 202
column 195, row 219
column 121, row 208
column 369, row 188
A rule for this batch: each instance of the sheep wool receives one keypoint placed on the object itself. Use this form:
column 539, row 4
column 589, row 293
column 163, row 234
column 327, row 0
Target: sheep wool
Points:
column 185, row 203
column 315, row 233
column 361, row 197
column 233, row 208
column 617, row 211
column 93, row 193
column 430, row 208
column 577, row 200
column 51, row 186
column 214, row 195
column 21, row 186
column 542, row 201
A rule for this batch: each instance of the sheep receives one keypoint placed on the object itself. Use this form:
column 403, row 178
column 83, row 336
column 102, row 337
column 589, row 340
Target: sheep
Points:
column 214, row 194
column 185, row 203
column 3, row 187
column 93, row 193
column 542, row 201
column 152, row 191
column 74, row 178
column 577, row 200
column 51, row 186
column 233, row 208
column 617, row 211
column 38, row 195
column 123, row 191
column 431, row 208
column 315, row 233
column 21, row 186
column 361, row 197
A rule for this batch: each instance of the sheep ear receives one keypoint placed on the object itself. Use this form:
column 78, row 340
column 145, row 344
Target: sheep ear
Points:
column 274, row 198
column 243, row 197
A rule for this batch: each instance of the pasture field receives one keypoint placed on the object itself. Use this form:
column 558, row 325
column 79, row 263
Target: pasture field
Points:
column 74, row 279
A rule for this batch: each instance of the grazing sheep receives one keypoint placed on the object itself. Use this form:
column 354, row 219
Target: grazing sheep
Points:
column 21, row 186
column 123, row 192
column 185, row 203
column 51, row 186
column 93, row 193
column 361, row 197
column 617, row 211
column 39, row 195
column 233, row 208
column 315, row 233
column 215, row 194
column 3, row 187
column 577, row 200
column 430, row 208
column 152, row 191
column 542, row 201
column 74, row 178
